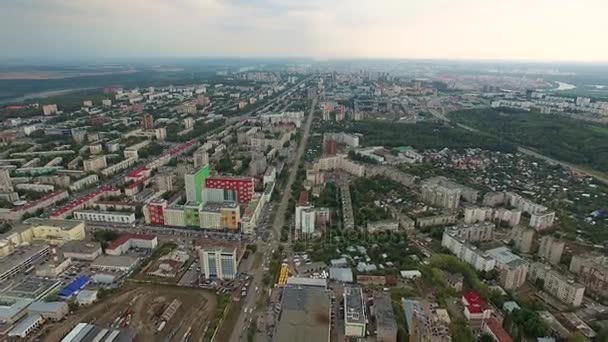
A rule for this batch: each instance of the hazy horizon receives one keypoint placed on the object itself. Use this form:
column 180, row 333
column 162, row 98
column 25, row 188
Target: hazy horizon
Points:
column 468, row 30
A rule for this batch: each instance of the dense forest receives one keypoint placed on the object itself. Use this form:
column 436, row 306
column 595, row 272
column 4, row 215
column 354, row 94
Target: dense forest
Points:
column 425, row 135
column 562, row 138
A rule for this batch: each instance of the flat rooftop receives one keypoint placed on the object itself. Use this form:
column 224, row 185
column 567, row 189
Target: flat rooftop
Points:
column 503, row 255
column 114, row 261
column 353, row 302
column 85, row 247
column 304, row 315
column 19, row 255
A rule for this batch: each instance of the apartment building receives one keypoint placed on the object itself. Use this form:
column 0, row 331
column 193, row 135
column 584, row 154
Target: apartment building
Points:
column 551, row 249
column 564, row 289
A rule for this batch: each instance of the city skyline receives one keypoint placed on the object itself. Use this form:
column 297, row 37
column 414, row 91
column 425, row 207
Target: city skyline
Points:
column 542, row 30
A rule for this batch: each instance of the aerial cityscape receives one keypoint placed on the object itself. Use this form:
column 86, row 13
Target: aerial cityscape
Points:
column 312, row 195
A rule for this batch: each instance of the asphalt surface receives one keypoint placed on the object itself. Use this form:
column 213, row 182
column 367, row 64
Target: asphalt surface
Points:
column 239, row 332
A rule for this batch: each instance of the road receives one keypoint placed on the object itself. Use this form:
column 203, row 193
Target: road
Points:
column 526, row 150
column 239, row 332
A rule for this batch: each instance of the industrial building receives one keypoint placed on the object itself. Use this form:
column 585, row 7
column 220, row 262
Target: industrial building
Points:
column 88, row 332
column 73, row 287
column 21, row 259
column 386, row 326
column 81, row 250
column 305, row 314
column 52, row 231
column 54, row 311
column 114, row 263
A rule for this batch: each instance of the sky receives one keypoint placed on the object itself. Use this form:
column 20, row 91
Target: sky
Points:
column 545, row 30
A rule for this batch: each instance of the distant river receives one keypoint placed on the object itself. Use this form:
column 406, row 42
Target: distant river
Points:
column 564, row 86
column 43, row 94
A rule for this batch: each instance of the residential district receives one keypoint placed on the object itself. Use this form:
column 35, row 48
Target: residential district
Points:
column 264, row 206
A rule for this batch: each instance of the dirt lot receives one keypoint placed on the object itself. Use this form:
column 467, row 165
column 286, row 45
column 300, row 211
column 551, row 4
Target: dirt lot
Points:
column 147, row 303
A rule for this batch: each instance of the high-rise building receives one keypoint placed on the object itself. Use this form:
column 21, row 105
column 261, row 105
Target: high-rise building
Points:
column 218, row 262
column 49, row 109
column 188, row 123
column 236, row 189
column 591, row 271
column 201, row 158
column 195, row 182
column 147, row 121
column 154, row 212
column 551, row 249
column 331, row 148
column 512, row 269
column 523, row 238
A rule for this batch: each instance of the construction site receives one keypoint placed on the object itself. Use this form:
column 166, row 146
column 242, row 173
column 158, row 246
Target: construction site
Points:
column 149, row 312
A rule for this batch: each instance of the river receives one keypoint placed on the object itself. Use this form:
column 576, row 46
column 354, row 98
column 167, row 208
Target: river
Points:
column 43, row 94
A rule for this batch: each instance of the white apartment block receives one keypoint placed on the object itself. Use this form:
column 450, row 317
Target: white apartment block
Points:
column 81, row 183
column 467, row 252
column 566, row 290
column 551, row 249
column 105, row 216
column 95, row 164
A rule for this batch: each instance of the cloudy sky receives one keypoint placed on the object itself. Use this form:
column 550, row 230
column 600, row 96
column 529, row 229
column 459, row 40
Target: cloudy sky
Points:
column 570, row 30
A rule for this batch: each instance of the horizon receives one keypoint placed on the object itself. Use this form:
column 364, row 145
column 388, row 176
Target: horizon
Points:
column 543, row 31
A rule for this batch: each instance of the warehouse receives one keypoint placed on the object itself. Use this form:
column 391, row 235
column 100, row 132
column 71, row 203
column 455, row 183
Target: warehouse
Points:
column 127, row 241
column 22, row 259
column 114, row 263
column 73, row 288
column 54, row 311
column 26, row 326
column 81, row 250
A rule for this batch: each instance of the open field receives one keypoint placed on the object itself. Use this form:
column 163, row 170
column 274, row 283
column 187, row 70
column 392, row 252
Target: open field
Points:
column 147, row 303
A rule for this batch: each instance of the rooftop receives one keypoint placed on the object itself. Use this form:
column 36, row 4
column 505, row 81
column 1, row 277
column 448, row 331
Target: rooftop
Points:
column 497, row 330
column 353, row 301
column 123, row 238
column 80, row 246
column 304, row 315
column 114, row 261
column 20, row 255
column 385, row 317
column 503, row 255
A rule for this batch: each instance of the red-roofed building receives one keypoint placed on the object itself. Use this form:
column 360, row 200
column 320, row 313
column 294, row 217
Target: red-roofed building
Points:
column 138, row 174
column 99, row 120
column 475, row 307
column 84, row 201
column 127, row 241
column 303, row 199
column 494, row 328
column 241, row 187
column 31, row 207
